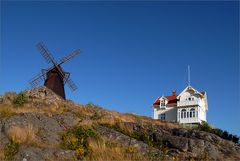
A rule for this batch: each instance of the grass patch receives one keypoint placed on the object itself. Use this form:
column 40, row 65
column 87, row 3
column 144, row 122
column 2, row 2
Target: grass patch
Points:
column 22, row 135
column 6, row 111
column 103, row 149
column 10, row 150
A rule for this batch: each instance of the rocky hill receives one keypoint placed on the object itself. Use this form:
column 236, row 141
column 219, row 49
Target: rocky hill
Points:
column 38, row 125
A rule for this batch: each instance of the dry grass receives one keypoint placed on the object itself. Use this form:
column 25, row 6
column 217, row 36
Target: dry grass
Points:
column 22, row 135
column 2, row 154
column 103, row 149
column 6, row 110
column 113, row 117
column 83, row 112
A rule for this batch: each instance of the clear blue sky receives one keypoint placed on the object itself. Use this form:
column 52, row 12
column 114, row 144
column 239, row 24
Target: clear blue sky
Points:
column 132, row 52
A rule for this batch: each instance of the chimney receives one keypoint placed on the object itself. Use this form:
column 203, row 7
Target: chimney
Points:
column 174, row 93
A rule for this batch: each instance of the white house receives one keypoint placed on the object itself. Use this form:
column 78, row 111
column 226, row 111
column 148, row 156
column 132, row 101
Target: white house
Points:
column 189, row 107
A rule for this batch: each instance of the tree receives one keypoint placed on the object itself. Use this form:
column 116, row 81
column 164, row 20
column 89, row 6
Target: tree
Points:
column 235, row 139
column 230, row 137
column 225, row 134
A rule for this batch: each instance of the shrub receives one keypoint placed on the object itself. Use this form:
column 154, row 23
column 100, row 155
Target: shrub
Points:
column 77, row 139
column 20, row 99
column 91, row 105
column 225, row 135
column 204, row 126
column 235, row 139
column 10, row 150
column 218, row 132
column 230, row 137
column 96, row 116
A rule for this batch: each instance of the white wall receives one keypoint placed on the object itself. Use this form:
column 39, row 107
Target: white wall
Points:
column 202, row 114
column 170, row 113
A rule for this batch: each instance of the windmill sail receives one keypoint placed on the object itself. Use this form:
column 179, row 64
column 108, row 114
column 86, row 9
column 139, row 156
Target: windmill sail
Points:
column 45, row 53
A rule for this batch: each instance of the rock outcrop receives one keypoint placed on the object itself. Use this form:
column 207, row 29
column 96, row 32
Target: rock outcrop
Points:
column 35, row 131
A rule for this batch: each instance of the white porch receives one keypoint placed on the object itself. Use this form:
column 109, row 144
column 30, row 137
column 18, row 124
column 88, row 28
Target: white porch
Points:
column 189, row 120
column 189, row 115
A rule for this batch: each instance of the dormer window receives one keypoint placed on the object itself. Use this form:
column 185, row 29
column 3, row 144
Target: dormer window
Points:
column 162, row 102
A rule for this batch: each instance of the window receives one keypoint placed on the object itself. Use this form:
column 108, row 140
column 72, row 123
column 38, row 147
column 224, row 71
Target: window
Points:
column 162, row 116
column 190, row 98
column 192, row 112
column 183, row 113
column 162, row 102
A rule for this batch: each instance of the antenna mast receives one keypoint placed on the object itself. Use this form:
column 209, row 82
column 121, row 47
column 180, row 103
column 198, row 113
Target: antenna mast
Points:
column 188, row 75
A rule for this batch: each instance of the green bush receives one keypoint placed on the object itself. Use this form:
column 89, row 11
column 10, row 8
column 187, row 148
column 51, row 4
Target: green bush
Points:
column 10, row 150
column 225, row 135
column 90, row 105
column 218, row 132
column 20, row 99
column 235, row 139
column 77, row 139
column 204, row 126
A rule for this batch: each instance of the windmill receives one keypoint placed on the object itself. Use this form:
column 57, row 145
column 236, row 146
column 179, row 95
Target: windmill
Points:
column 54, row 77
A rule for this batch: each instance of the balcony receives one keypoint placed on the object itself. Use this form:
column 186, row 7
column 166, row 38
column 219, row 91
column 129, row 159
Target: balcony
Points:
column 189, row 120
column 189, row 103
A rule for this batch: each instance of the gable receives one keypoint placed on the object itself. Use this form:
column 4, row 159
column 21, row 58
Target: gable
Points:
column 190, row 91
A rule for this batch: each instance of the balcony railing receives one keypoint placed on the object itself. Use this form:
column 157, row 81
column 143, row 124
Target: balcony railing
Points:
column 189, row 120
column 188, row 103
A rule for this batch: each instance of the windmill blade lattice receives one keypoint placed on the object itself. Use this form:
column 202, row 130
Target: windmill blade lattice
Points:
column 71, row 85
column 37, row 79
column 45, row 53
column 70, row 56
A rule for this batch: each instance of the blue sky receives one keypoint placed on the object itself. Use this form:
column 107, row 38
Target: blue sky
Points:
column 132, row 52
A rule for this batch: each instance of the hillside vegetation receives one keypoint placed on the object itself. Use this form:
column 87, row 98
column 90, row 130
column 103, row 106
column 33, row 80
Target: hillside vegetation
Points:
column 38, row 125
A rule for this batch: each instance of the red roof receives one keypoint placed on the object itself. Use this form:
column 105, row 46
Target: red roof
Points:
column 171, row 99
column 157, row 102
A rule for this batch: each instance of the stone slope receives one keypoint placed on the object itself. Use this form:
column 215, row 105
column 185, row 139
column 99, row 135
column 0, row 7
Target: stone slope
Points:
column 35, row 131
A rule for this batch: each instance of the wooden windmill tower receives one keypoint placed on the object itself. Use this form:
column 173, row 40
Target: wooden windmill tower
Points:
column 54, row 77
